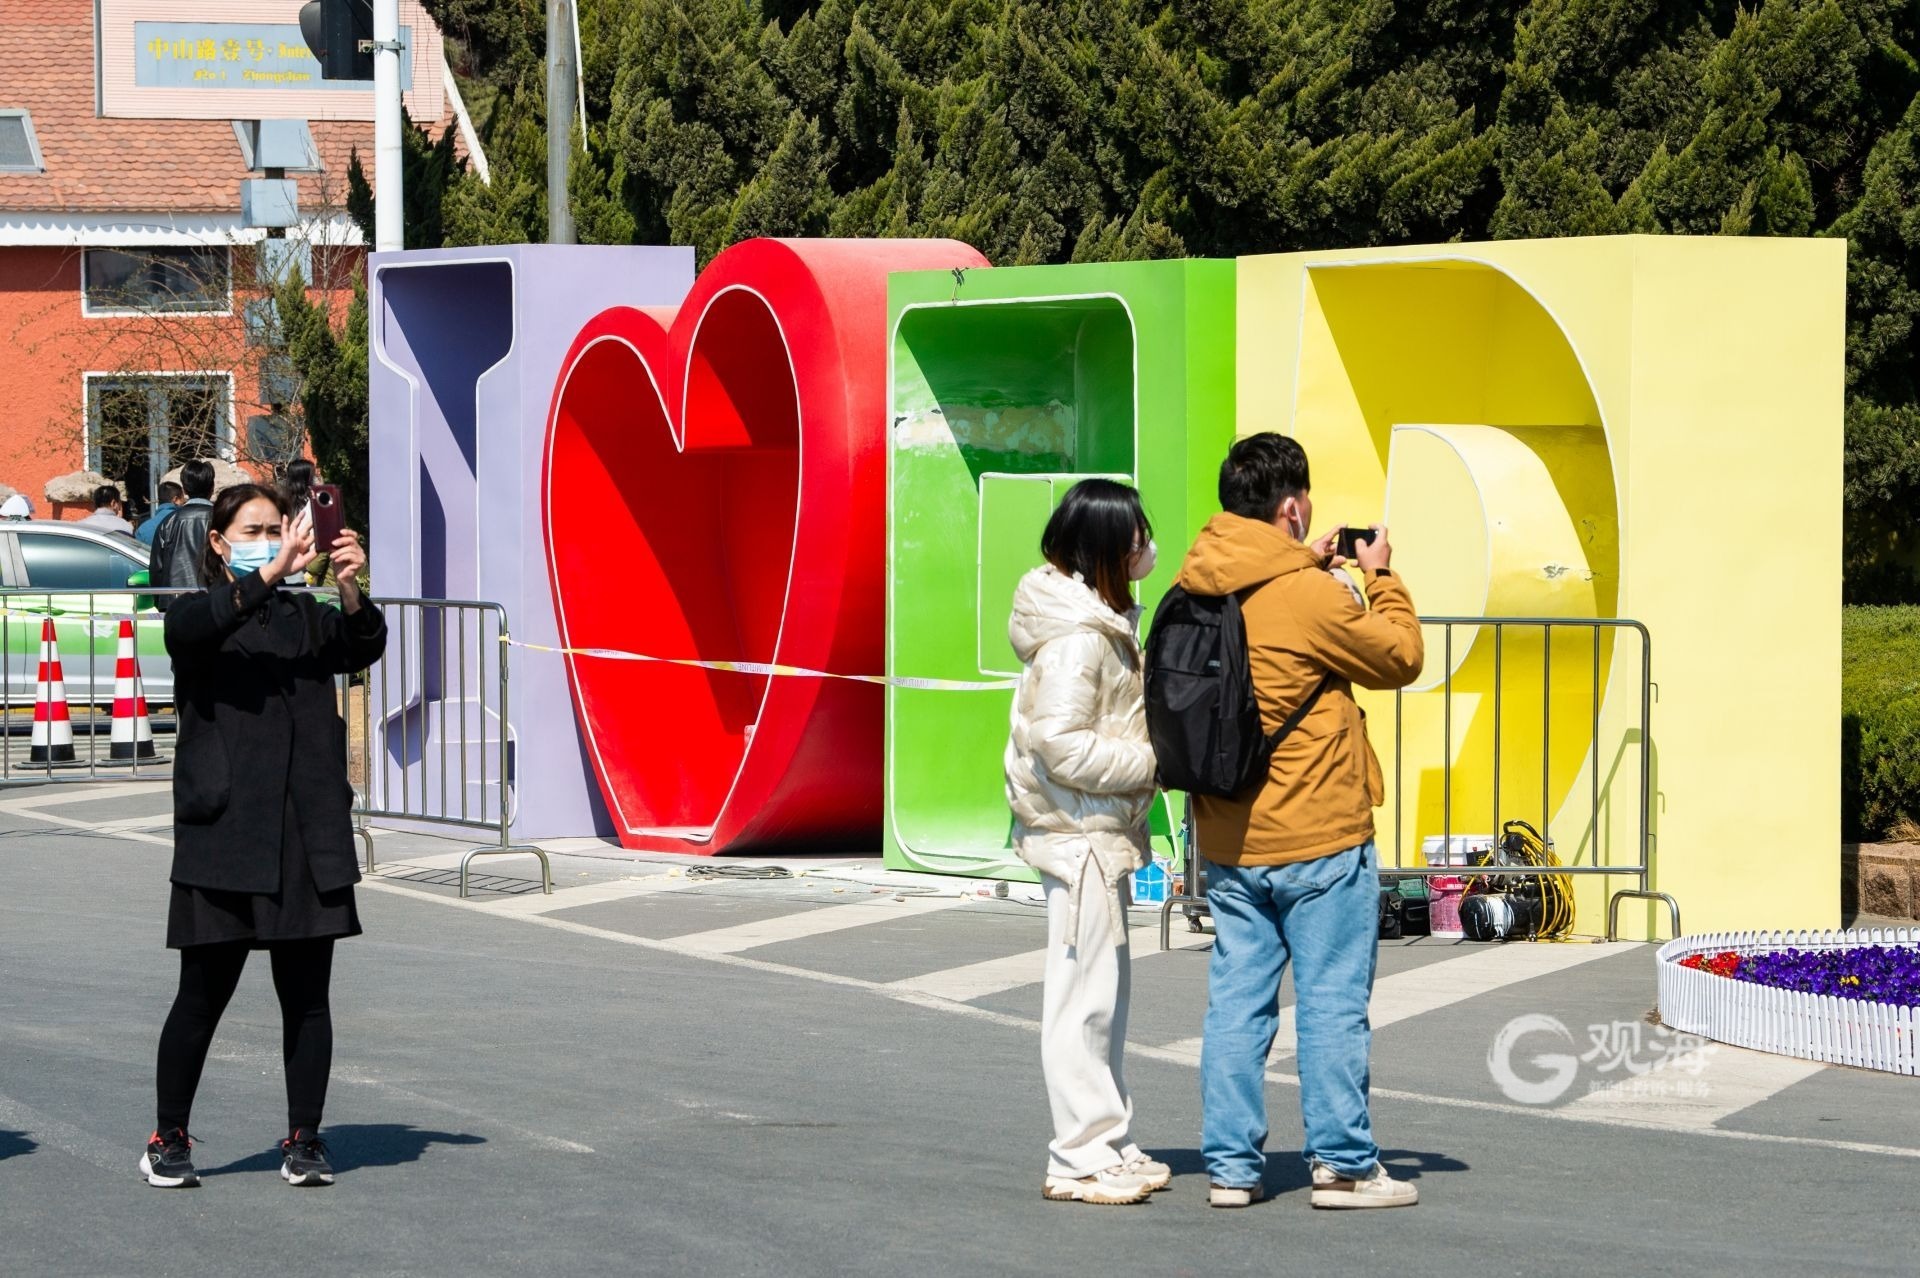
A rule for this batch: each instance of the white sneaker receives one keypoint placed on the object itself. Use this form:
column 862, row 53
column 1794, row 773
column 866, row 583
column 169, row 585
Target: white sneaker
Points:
column 1110, row 1188
column 1235, row 1196
column 1375, row 1189
column 1157, row 1174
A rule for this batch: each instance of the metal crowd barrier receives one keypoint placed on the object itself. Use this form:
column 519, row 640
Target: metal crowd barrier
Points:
column 1193, row 894
column 89, row 618
column 431, row 717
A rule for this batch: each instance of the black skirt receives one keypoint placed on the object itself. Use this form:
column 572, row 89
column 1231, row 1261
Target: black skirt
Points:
column 299, row 911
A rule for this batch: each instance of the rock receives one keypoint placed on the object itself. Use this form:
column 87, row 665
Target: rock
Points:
column 225, row 475
column 1887, row 879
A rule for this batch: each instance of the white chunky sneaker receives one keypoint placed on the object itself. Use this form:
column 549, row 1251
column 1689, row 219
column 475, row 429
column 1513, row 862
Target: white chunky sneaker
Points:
column 1375, row 1189
column 1235, row 1195
column 1157, row 1174
column 1110, row 1188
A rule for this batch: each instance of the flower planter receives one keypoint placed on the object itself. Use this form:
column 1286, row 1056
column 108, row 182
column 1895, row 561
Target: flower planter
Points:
column 1818, row 1027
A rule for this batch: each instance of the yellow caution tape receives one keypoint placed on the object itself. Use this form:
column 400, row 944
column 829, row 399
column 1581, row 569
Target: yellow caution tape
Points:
column 767, row 668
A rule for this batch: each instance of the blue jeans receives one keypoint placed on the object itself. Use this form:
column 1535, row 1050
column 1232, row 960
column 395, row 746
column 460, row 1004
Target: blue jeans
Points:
column 1324, row 915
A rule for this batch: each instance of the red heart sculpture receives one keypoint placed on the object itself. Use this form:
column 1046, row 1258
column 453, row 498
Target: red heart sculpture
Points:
column 715, row 489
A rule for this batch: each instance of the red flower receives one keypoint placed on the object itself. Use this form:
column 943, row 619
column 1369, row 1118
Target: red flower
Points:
column 1725, row 963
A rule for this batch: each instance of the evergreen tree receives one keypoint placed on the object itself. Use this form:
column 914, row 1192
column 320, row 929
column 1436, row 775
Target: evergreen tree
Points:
column 1096, row 130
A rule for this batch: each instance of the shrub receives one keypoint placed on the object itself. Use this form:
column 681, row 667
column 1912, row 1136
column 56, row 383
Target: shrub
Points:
column 1879, row 721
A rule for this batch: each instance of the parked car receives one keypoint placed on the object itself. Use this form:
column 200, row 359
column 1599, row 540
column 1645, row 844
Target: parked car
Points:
column 55, row 556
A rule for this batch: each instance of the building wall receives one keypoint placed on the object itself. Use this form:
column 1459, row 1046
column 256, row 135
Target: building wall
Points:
column 52, row 345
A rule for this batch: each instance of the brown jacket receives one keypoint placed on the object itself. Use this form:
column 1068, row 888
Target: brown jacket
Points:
column 1302, row 624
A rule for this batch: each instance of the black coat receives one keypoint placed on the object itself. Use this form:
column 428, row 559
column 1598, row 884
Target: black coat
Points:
column 253, row 680
column 178, row 546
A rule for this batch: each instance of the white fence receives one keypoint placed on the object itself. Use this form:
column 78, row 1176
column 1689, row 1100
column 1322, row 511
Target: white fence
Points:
column 1815, row 1027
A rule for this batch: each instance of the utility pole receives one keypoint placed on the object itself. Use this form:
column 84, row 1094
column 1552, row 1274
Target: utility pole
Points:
column 389, row 226
column 562, row 86
column 336, row 32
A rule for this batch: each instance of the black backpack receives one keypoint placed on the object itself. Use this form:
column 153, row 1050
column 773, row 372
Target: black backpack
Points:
column 1201, row 713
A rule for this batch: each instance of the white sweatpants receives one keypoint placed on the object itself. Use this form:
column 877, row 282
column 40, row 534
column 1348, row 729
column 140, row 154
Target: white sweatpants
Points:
column 1083, row 1029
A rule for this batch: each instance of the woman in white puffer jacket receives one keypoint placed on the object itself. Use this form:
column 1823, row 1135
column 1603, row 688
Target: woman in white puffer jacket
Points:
column 1080, row 779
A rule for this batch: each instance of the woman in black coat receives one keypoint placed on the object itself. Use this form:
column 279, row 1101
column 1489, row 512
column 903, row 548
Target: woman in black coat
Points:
column 263, row 833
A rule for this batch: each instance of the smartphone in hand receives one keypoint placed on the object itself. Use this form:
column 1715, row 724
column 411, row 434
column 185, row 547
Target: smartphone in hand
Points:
column 329, row 517
column 1350, row 539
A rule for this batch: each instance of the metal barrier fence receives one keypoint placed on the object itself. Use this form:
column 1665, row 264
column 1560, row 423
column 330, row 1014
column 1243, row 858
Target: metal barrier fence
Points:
column 87, row 637
column 431, row 718
column 427, row 735
column 1545, row 633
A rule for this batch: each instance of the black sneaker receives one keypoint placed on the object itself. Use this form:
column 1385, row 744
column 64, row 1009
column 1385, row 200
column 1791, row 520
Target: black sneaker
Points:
column 305, row 1161
column 168, row 1161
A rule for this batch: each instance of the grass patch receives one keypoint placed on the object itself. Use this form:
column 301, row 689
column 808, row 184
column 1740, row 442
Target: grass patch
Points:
column 1879, row 723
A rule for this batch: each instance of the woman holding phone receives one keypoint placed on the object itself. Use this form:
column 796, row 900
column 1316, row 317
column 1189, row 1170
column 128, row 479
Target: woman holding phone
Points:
column 263, row 834
column 1080, row 779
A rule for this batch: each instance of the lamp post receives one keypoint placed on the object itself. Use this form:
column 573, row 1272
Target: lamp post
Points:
column 389, row 227
column 562, row 78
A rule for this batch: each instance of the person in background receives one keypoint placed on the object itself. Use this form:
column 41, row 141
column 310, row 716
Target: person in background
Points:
column 172, row 497
column 106, row 512
column 1293, row 875
column 263, row 842
column 1080, row 779
column 297, row 479
column 180, row 545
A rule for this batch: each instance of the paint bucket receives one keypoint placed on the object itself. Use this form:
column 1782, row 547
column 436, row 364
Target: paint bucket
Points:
column 1443, row 906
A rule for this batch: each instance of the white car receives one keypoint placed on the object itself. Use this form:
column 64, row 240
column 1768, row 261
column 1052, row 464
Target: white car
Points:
column 48, row 555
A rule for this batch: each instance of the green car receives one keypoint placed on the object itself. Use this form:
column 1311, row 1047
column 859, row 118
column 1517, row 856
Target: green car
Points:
column 60, row 560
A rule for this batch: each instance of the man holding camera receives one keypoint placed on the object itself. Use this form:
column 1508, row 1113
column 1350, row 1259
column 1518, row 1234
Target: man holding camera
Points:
column 1293, row 872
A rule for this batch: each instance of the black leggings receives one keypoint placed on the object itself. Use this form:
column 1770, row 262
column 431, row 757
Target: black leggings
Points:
column 209, row 974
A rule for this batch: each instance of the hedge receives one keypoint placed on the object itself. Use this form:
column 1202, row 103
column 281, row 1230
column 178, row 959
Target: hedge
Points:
column 1879, row 722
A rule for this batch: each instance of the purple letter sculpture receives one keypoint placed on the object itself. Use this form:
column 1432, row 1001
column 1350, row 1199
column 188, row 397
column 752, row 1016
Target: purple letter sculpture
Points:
column 466, row 344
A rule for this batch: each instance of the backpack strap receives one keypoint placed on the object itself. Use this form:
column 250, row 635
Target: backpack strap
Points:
column 1300, row 712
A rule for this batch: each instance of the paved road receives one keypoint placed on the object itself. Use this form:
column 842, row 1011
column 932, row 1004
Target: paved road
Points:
column 648, row 1074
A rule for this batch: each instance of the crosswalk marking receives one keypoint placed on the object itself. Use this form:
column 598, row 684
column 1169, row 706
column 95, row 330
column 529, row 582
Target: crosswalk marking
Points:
column 811, row 922
column 1697, row 1088
column 1454, row 980
column 996, row 976
column 57, row 794
column 588, row 894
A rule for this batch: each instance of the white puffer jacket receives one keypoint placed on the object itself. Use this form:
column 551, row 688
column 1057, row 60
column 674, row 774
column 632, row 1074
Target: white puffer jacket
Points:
column 1080, row 771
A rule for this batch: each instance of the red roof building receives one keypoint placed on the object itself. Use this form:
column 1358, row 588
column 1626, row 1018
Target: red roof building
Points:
column 130, row 303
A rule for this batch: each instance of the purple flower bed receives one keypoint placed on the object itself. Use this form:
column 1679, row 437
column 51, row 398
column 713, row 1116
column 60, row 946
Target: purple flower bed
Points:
column 1875, row 973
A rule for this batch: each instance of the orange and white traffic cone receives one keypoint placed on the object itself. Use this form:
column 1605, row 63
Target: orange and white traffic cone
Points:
column 132, row 734
column 52, row 729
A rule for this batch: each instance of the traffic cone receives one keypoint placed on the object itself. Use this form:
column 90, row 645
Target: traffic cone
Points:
column 52, row 729
column 132, row 734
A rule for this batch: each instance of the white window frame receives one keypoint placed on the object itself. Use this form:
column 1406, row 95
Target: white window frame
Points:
column 225, row 446
column 90, row 311
column 25, row 117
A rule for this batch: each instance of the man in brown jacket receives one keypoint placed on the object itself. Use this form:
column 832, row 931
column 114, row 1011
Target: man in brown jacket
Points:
column 1293, row 873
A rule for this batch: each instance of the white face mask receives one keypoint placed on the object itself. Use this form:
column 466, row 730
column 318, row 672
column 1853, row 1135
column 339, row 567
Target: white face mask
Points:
column 1140, row 565
column 1298, row 527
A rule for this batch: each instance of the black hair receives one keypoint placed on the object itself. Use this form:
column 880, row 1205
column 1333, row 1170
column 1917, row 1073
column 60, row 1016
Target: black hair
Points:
column 104, row 496
column 170, row 492
column 1092, row 533
column 1260, row 472
column 297, row 479
column 196, row 478
column 226, row 507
